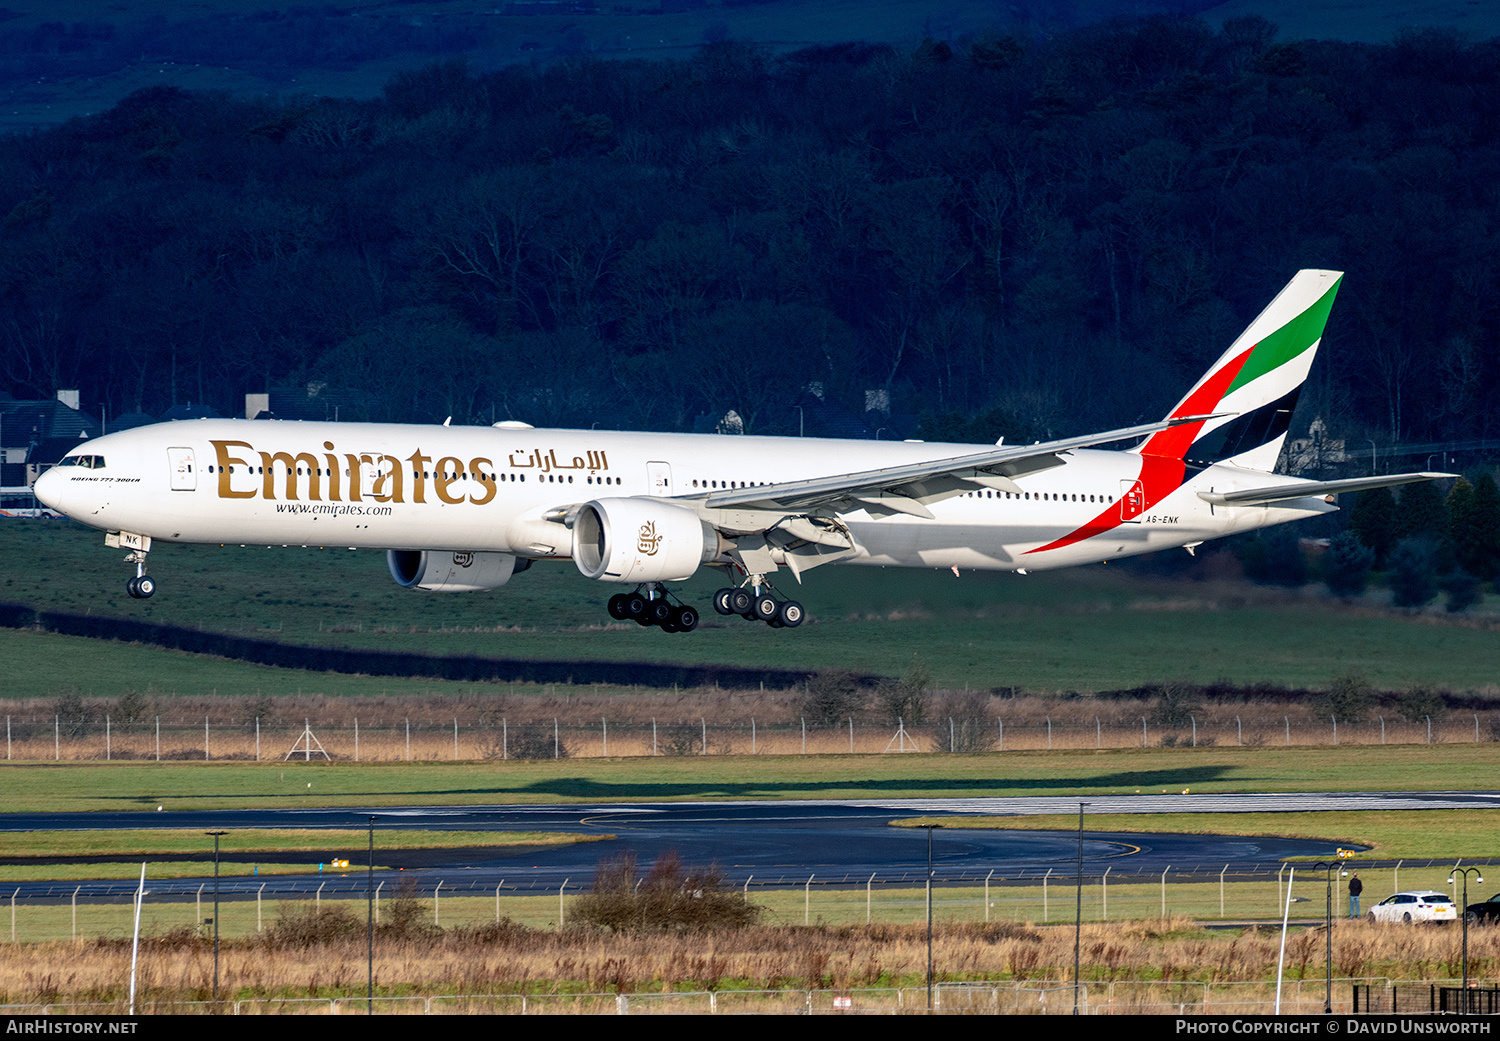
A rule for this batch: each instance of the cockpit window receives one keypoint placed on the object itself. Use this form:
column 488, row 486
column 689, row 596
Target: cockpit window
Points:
column 88, row 462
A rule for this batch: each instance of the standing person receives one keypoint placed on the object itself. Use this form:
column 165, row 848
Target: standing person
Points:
column 1356, row 887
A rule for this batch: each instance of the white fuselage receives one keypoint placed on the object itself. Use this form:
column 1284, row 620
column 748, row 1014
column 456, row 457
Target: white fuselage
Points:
column 482, row 489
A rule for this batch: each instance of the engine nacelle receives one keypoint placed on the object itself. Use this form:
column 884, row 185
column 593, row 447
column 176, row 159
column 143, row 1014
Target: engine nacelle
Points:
column 452, row 572
column 640, row 540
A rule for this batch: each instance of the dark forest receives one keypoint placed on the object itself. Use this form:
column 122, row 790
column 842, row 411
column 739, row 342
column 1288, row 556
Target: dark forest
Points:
column 1013, row 236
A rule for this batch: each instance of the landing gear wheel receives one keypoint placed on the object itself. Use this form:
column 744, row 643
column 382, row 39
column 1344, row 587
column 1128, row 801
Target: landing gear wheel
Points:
column 130, row 587
column 684, row 619
column 635, row 607
column 790, row 614
column 144, row 587
column 766, row 607
column 658, row 612
column 721, row 601
column 619, row 608
column 741, row 602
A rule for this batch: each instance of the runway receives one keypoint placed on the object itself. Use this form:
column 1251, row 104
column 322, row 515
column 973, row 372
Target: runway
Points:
column 843, row 841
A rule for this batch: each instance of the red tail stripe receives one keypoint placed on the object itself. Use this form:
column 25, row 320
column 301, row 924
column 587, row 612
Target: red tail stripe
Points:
column 1175, row 442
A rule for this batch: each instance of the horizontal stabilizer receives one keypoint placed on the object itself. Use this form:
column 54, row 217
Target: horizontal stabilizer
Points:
column 1303, row 489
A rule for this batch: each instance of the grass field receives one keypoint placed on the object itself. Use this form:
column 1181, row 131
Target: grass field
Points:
column 980, row 631
column 133, row 786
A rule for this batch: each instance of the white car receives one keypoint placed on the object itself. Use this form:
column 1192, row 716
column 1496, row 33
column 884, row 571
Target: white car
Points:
column 1418, row 906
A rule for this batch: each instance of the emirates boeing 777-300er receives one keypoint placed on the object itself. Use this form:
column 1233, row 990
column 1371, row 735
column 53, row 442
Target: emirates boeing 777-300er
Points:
column 466, row 508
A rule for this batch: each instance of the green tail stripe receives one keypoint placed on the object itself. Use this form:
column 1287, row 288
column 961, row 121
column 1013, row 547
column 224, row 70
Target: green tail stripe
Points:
column 1286, row 342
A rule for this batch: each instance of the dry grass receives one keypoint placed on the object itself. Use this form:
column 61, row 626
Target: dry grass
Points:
column 505, row 958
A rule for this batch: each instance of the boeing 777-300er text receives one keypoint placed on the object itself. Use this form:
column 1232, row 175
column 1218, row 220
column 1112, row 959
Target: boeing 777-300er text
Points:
column 465, row 508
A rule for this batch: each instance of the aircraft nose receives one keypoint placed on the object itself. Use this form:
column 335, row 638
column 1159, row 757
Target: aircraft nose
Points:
column 48, row 489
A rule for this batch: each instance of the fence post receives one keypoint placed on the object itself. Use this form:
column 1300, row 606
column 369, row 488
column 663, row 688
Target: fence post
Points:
column 952, row 739
column 504, row 738
column 560, row 891
column 356, row 739
column 1000, row 723
column 1164, row 890
column 1098, row 733
column 455, row 739
column 408, row 739
column 205, row 738
column 1045, row 877
column 653, row 735
column 868, row 885
column 1239, row 730
column 1049, row 733
column 752, row 732
column 257, row 735
column 807, row 901
column 1429, row 727
column 1145, row 738
column 704, row 721
column 158, row 738
column 57, row 737
column 1195, row 729
column 1335, row 730
column 804, row 735
column 258, row 893
column 987, row 894
column 1104, row 894
column 604, row 729
column 1288, row 721
column 437, row 917
column 851, row 735
column 556, row 740
column 1221, row 891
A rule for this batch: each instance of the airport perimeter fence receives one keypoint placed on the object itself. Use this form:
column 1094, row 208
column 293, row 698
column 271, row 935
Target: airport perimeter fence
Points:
column 49, row 911
column 1299, row 997
column 41, row 736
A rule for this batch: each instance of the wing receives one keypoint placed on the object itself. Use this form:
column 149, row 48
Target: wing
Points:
column 801, row 518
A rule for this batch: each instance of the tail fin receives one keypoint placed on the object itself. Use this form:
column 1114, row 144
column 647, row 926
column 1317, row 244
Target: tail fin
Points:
column 1258, row 380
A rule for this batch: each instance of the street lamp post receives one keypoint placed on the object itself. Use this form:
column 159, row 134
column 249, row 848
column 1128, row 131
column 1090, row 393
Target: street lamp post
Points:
column 1328, row 867
column 1463, row 909
column 930, row 829
column 1078, row 913
column 370, row 925
column 216, row 835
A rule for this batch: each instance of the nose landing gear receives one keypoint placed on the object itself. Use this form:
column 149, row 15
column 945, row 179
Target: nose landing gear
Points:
column 142, row 585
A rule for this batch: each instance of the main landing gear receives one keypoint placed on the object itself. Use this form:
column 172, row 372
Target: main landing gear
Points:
column 142, row 585
column 650, row 605
column 760, row 604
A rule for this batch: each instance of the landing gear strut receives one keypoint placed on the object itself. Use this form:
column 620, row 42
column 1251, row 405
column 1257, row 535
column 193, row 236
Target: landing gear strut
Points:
column 142, row 585
column 650, row 604
column 759, row 603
